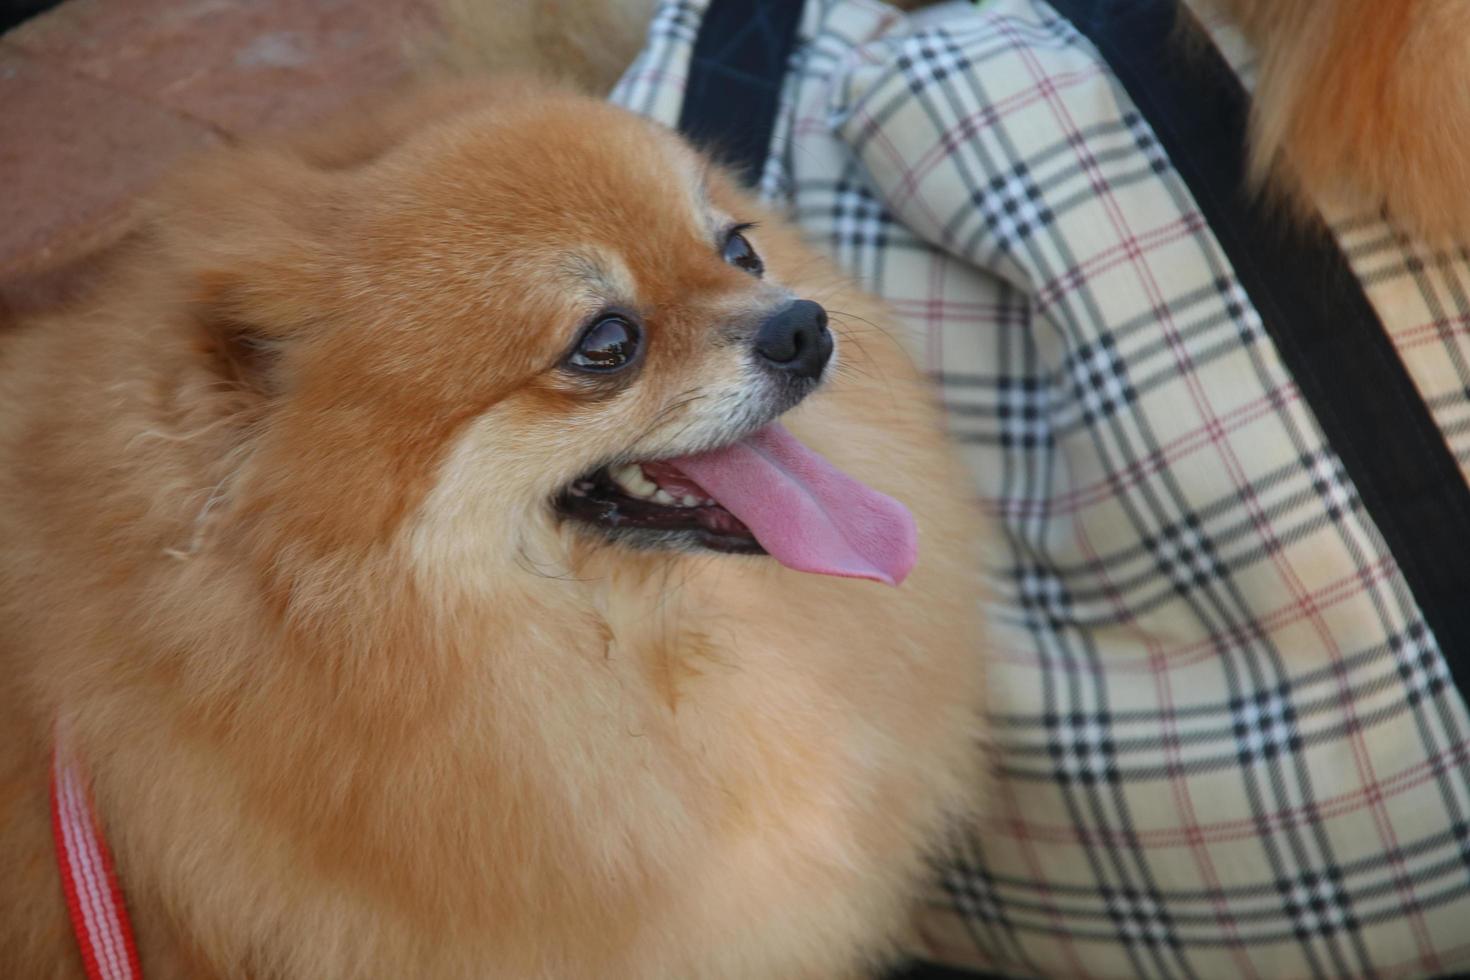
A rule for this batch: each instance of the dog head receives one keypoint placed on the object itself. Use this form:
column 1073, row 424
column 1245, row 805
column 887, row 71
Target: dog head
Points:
column 507, row 317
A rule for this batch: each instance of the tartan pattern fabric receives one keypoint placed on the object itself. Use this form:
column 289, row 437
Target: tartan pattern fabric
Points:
column 1228, row 744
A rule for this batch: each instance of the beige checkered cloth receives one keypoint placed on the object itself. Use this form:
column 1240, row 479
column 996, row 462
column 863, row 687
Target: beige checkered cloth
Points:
column 1229, row 745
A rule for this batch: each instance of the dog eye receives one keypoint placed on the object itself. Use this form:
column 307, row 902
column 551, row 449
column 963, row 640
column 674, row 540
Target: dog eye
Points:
column 608, row 345
column 739, row 253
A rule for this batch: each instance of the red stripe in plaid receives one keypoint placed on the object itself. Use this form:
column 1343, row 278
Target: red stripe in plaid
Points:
column 1412, row 778
column 1348, row 588
column 968, row 127
column 1158, row 461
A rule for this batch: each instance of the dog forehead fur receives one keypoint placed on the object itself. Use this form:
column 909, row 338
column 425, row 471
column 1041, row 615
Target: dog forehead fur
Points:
column 342, row 721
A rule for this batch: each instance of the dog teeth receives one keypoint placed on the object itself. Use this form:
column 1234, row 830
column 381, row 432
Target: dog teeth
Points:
column 635, row 483
column 631, row 479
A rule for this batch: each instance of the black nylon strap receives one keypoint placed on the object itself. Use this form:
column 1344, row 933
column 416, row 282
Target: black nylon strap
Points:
column 1313, row 307
column 735, row 77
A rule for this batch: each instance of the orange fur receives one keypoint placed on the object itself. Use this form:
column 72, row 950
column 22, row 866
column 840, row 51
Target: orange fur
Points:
column 1365, row 103
column 587, row 43
column 277, row 543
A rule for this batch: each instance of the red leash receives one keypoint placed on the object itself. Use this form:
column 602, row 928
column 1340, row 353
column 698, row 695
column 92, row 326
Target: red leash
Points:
column 98, row 916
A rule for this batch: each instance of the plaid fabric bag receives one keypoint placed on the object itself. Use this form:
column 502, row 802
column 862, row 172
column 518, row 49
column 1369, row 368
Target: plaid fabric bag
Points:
column 1230, row 743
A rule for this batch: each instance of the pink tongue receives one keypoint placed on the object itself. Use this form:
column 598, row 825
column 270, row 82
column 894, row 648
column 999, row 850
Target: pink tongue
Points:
column 805, row 512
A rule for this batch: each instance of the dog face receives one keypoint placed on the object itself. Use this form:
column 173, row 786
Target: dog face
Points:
column 504, row 325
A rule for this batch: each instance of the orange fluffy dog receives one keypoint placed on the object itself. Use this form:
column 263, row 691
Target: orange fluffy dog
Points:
column 404, row 537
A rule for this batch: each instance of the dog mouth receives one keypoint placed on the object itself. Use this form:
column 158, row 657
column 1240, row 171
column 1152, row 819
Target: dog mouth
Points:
column 655, row 503
column 764, row 494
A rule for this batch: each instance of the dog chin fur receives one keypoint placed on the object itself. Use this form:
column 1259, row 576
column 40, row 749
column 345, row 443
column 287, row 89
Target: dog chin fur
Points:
column 277, row 547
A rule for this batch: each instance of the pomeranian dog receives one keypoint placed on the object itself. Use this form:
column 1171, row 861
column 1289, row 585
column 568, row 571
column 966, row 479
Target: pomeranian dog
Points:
column 463, row 545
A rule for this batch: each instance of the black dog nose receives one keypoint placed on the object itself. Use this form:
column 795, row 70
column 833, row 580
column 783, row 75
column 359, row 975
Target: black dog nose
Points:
column 796, row 339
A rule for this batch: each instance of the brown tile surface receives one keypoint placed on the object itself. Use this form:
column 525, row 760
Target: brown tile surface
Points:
column 72, row 154
column 99, row 98
column 44, row 289
column 240, row 65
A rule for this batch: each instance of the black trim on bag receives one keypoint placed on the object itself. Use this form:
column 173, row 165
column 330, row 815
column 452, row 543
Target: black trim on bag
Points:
column 1313, row 307
column 734, row 84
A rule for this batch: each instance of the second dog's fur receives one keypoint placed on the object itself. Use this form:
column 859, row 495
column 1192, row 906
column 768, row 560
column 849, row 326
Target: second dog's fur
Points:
column 1364, row 103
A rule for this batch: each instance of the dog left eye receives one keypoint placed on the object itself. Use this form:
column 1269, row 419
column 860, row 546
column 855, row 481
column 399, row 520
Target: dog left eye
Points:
column 608, row 345
column 739, row 253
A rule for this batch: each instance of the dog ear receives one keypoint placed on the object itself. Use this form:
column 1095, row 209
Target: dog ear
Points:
column 246, row 349
column 248, row 230
column 586, row 44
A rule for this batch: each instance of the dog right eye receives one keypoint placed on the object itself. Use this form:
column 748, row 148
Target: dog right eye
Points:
column 740, row 253
column 608, row 345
